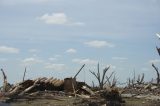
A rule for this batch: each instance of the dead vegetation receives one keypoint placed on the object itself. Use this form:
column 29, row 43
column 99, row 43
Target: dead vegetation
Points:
column 79, row 93
column 53, row 88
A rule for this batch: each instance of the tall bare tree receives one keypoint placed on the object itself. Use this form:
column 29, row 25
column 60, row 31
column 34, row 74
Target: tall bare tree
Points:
column 101, row 79
column 156, row 68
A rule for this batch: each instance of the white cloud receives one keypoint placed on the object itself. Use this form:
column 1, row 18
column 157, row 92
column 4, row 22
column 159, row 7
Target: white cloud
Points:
column 85, row 61
column 31, row 61
column 120, row 58
column 15, row 2
column 55, row 57
column 71, row 50
column 5, row 49
column 58, row 19
column 52, row 58
column 99, row 44
column 111, row 66
column 33, row 50
column 56, row 67
column 154, row 61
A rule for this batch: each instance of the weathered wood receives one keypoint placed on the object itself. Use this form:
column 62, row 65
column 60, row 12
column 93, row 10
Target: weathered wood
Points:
column 15, row 91
column 48, row 80
column 68, row 84
column 28, row 89
column 88, row 90
column 4, row 81
column 53, row 82
column 79, row 71
column 24, row 74
column 83, row 96
column 158, row 75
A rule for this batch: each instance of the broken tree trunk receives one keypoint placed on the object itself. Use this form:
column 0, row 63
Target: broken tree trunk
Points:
column 28, row 89
column 158, row 75
column 4, row 81
column 88, row 90
column 15, row 91
column 79, row 71
column 24, row 74
column 158, row 50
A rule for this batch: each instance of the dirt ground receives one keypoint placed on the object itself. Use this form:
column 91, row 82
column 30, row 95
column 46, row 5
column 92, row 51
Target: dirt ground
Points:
column 79, row 102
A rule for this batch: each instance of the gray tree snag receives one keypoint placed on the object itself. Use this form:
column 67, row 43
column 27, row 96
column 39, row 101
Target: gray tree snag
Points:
column 98, row 76
column 24, row 74
column 140, row 79
column 158, row 50
column 4, row 81
column 158, row 76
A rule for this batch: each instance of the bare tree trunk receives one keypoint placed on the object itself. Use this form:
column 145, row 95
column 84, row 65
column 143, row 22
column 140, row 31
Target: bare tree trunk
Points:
column 24, row 74
column 79, row 71
column 98, row 76
column 4, row 81
column 158, row 76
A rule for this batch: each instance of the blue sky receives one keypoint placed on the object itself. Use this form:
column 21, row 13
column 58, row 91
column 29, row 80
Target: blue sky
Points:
column 55, row 37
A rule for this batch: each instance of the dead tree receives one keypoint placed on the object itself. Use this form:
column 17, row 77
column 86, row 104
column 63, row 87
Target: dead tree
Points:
column 140, row 79
column 101, row 80
column 132, row 82
column 156, row 68
column 4, row 81
column 158, row 50
column 157, row 71
column 111, row 82
column 24, row 74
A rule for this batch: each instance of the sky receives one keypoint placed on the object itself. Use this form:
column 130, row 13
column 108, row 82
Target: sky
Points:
column 56, row 37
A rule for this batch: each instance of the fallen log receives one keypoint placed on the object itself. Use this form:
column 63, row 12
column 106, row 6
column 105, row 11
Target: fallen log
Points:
column 88, row 90
column 83, row 96
column 15, row 91
column 28, row 89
